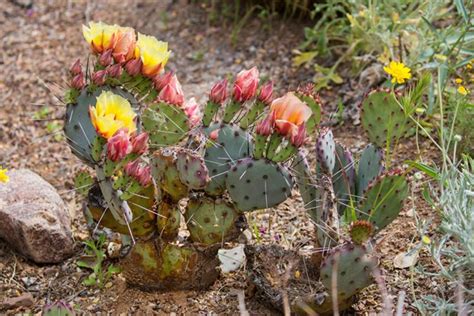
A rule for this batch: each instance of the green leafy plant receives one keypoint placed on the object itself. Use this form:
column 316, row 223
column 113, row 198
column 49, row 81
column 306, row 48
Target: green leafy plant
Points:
column 95, row 255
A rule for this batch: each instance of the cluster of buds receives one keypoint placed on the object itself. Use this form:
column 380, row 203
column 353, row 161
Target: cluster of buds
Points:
column 139, row 171
column 170, row 90
column 120, row 145
column 78, row 80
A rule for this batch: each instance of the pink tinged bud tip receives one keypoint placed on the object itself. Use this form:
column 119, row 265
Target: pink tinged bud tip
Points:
column 78, row 81
column 172, row 93
column 162, row 80
column 76, row 68
column 245, row 85
column 266, row 93
column 114, row 71
column 298, row 135
column 105, row 58
column 193, row 112
column 218, row 93
column 265, row 127
column 99, row 77
column 140, row 172
column 140, row 143
column 214, row 134
column 134, row 67
column 119, row 145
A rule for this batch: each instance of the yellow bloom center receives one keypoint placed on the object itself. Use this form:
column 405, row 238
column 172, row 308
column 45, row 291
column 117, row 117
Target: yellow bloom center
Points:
column 111, row 113
column 153, row 53
column 100, row 35
column 4, row 178
column 399, row 72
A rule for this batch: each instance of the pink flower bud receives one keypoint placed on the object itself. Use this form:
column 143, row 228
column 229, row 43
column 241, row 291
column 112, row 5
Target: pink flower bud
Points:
column 245, row 85
column 214, row 134
column 141, row 173
column 132, row 167
column 266, row 93
column 162, row 80
column 172, row 93
column 78, row 81
column 99, row 77
column 119, row 146
column 265, row 127
column 140, row 143
column 76, row 68
column 192, row 110
column 134, row 67
column 114, row 71
column 219, row 92
column 298, row 135
column 105, row 58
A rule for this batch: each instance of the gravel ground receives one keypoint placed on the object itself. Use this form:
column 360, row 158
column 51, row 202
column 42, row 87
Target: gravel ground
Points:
column 37, row 46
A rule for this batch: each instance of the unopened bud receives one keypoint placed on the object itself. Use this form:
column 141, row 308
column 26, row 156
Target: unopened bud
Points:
column 105, row 58
column 99, row 77
column 78, row 81
column 114, row 71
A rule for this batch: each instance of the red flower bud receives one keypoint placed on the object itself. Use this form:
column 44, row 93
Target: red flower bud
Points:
column 99, row 77
column 141, row 173
column 114, row 71
column 162, row 80
column 245, row 86
column 140, row 143
column 76, row 68
column 298, row 135
column 132, row 167
column 172, row 93
column 134, row 67
column 192, row 110
column 78, row 81
column 219, row 92
column 266, row 93
column 265, row 127
column 105, row 58
column 119, row 146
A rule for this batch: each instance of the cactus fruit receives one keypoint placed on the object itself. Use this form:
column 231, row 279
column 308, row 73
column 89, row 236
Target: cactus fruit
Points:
column 370, row 167
column 157, row 265
column 232, row 143
column 59, row 308
column 383, row 118
column 192, row 169
column 165, row 123
column 347, row 270
column 257, row 184
column 383, row 199
column 326, row 150
column 360, row 231
column 211, row 221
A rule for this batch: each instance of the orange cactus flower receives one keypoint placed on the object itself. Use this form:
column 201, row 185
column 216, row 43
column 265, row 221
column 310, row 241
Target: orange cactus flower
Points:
column 124, row 49
column 290, row 113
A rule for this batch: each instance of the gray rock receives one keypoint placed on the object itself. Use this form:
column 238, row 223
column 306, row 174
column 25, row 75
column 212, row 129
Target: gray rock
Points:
column 34, row 219
column 24, row 300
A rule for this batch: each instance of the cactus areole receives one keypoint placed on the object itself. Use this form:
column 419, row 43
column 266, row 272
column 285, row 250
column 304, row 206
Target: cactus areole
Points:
column 162, row 164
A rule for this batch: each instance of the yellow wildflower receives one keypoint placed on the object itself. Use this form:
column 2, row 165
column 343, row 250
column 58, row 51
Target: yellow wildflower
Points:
column 153, row 53
column 426, row 240
column 111, row 113
column 398, row 71
column 101, row 36
column 4, row 178
column 462, row 90
column 458, row 80
column 469, row 65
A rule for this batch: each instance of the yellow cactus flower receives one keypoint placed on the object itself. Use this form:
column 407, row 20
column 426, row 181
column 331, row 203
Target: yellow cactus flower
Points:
column 111, row 113
column 153, row 53
column 462, row 90
column 101, row 36
column 458, row 80
column 399, row 72
column 4, row 178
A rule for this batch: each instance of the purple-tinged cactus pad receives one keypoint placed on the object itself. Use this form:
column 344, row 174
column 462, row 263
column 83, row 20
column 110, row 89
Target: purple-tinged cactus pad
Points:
column 192, row 169
column 370, row 167
column 326, row 150
column 343, row 178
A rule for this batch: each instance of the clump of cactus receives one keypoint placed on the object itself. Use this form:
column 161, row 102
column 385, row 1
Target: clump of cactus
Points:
column 161, row 166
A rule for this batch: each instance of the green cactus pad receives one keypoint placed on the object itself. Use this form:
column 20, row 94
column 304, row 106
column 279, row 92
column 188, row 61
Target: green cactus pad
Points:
column 360, row 231
column 58, row 309
column 143, row 223
column 326, row 150
column 192, row 169
column 370, row 167
column 383, row 199
column 232, row 144
column 353, row 267
column 78, row 128
column 166, row 175
column 315, row 118
column 343, row 178
column 258, row 184
column 156, row 265
column 383, row 118
column 168, row 219
column 83, row 182
column 211, row 221
column 166, row 124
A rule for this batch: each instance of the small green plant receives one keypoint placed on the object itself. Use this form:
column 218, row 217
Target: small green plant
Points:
column 94, row 260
